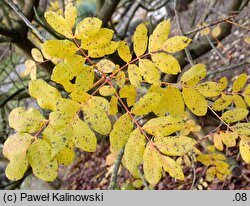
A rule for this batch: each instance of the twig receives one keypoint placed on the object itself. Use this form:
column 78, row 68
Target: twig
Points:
column 188, row 54
column 194, row 172
column 114, row 175
column 143, row 179
column 228, row 68
column 216, row 50
column 26, row 21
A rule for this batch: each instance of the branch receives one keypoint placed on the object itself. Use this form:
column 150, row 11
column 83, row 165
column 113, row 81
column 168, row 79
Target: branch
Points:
column 118, row 160
column 26, row 21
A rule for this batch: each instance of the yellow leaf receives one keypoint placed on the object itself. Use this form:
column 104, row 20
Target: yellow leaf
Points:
column 242, row 129
column 68, row 106
column 140, row 40
column 234, row 115
column 187, row 161
column 152, row 164
column 97, row 102
column 245, row 150
column 121, row 78
column 176, row 43
column 87, row 27
column 223, row 83
column 83, row 136
column 239, row 83
column 102, row 37
column 220, row 157
column 222, row 103
column 247, row 39
column 107, row 49
column 70, row 14
column 218, row 142
column 85, row 79
column 229, row 138
column 113, row 106
column 106, row 90
column 106, row 66
column 194, row 101
column 156, row 89
column 216, row 31
column 163, row 126
column 45, row 94
column 210, row 174
column 121, row 130
column 134, row 75
column 171, row 101
column 166, row 63
column 80, row 96
column 23, row 120
column 59, row 24
column 16, row 169
column 239, row 101
column 98, row 119
column 172, row 167
column 149, row 71
column 134, row 150
column 246, row 95
column 146, row 104
column 205, row 159
column 58, row 48
column 209, row 89
column 174, row 145
column 65, row 71
column 30, row 69
column 37, row 55
column 124, row 51
column 67, row 155
column 159, row 36
column 39, row 157
column 195, row 74
column 128, row 92
column 205, row 31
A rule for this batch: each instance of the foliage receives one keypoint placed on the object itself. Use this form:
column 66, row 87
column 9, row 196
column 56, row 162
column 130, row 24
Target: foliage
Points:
column 75, row 120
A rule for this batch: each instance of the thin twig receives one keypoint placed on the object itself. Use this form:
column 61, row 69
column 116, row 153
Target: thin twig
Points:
column 114, row 175
column 216, row 50
column 194, row 172
column 188, row 54
column 143, row 179
column 228, row 68
column 26, row 21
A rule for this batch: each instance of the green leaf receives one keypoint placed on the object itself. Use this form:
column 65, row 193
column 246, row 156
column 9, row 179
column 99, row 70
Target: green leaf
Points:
column 222, row 103
column 59, row 24
column 166, row 63
column 159, row 36
column 194, row 75
column 194, row 101
column 146, row 104
column 152, row 164
column 172, row 167
column 134, row 150
column 83, row 136
column 39, row 157
column 124, row 51
column 140, row 40
column 239, row 83
column 209, row 89
column 134, row 75
column 174, row 145
column 128, row 92
column 106, row 66
column 176, row 43
column 87, row 27
column 101, row 38
column 149, row 71
column 120, row 133
column 245, row 150
column 171, row 101
column 234, row 115
column 58, row 48
column 23, row 120
column 163, row 126
column 45, row 94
